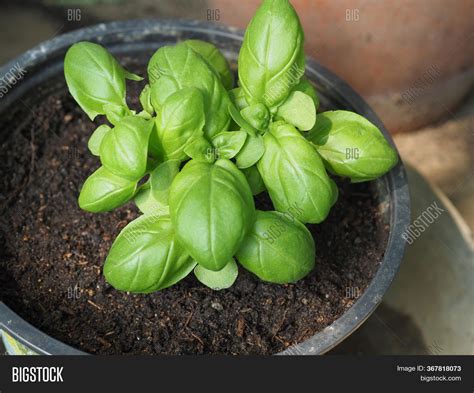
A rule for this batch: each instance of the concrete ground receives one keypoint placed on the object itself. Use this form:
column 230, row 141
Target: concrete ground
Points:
column 443, row 154
column 428, row 309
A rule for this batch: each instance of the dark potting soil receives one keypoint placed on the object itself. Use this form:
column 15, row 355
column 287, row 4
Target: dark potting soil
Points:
column 52, row 253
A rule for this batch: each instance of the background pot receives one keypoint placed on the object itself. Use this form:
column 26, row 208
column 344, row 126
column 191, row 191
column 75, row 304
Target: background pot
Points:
column 139, row 38
column 413, row 61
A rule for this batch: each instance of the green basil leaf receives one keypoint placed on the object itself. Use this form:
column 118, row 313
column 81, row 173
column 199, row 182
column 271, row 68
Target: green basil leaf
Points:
column 306, row 87
column 94, row 78
column 115, row 113
column 228, row 144
column 212, row 209
column 255, row 180
column 145, row 115
column 278, row 249
column 294, row 174
column 298, row 110
column 257, row 116
column 162, row 178
column 221, row 279
column 352, row 146
column 213, row 56
column 200, row 149
column 96, row 139
column 237, row 96
column 148, row 204
column 251, row 152
column 133, row 77
column 146, row 257
column 151, row 164
column 154, row 144
column 241, row 122
column 104, row 191
column 271, row 59
column 180, row 120
column 124, row 150
column 173, row 68
column 335, row 192
column 153, row 196
column 145, row 100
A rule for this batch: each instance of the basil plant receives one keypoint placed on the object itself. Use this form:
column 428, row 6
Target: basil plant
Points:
column 200, row 148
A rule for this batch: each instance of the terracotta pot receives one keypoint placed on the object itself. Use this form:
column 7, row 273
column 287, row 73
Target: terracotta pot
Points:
column 412, row 60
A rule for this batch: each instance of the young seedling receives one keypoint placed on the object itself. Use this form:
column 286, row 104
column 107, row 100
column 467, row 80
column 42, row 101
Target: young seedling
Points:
column 193, row 157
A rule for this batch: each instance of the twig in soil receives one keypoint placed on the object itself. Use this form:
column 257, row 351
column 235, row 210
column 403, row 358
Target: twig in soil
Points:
column 189, row 319
column 286, row 344
column 105, row 343
column 197, row 338
column 240, row 327
column 303, row 335
column 93, row 304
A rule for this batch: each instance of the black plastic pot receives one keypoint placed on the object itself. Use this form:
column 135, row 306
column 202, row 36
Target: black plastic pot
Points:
column 139, row 38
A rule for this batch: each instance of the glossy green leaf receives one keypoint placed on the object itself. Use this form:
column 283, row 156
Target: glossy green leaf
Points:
column 124, row 149
column 305, row 86
column 255, row 180
column 145, row 100
column 240, row 121
column 237, row 96
column 146, row 257
column 294, row 174
column 200, row 149
column 95, row 78
column 148, row 204
column 162, row 178
column 298, row 110
column 257, row 116
column 133, row 77
column 173, row 68
column 145, row 115
column 96, row 139
column 154, row 145
column 278, row 249
column 228, row 144
column 271, row 59
column 213, row 56
column 218, row 280
column 251, row 152
column 352, row 146
column 179, row 121
column 153, row 196
column 115, row 113
column 104, row 191
column 212, row 209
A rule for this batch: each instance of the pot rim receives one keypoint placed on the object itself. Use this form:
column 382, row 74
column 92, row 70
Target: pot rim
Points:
column 395, row 181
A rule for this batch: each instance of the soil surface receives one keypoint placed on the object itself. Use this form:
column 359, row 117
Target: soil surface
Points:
column 52, row 253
